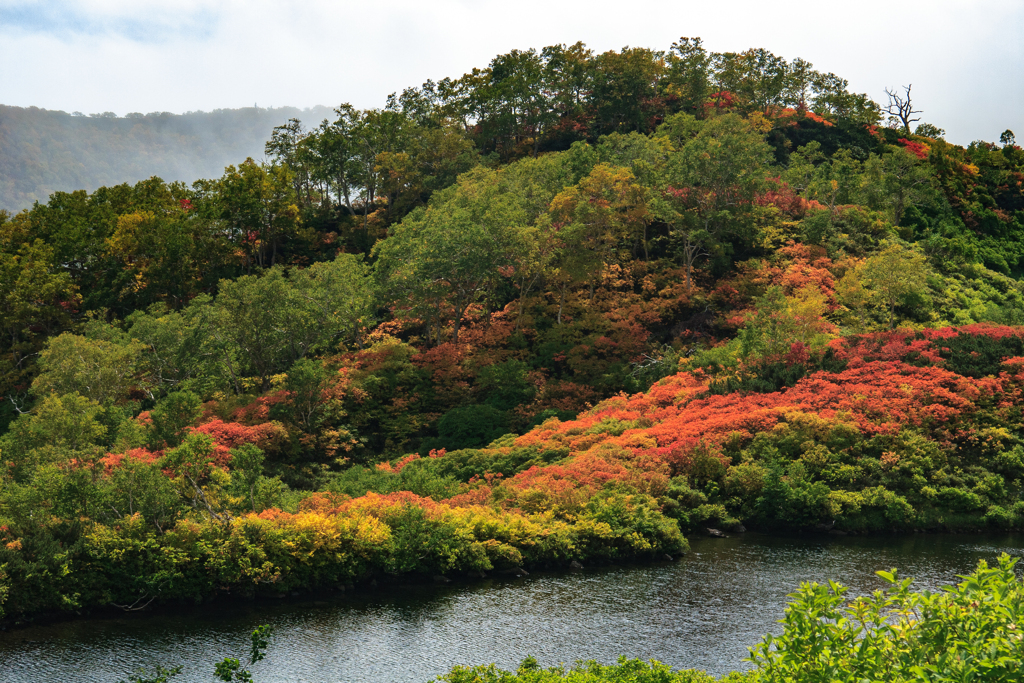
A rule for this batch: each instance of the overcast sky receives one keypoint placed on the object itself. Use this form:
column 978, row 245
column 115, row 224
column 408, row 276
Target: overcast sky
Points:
column 965, row 58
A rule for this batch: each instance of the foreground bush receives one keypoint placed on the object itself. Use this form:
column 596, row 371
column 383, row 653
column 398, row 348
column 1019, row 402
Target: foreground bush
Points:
column 626, row 671
column 969, row 632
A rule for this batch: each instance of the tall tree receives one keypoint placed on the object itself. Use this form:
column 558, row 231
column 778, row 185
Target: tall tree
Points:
column 448, row 255
column 710, row 183
column 259, row 206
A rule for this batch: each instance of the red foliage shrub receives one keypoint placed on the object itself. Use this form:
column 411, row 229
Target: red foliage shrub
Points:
column 111, row 461
column 878, row 393
column 227, row 435
column 256, row 412
column 918, row 149
column 781, row 195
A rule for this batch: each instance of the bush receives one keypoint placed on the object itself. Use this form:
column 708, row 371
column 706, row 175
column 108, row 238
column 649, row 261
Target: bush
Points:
column 472, row 426
column 966, row 633
column 626, row 670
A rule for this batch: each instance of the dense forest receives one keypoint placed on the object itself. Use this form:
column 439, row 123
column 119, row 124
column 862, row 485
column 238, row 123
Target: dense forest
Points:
column 47, row 151
column 568, row 306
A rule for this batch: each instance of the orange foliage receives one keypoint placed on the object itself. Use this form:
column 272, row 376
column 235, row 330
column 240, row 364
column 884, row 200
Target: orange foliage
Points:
column 784, row 197
column 397, row 467
column 111, row 461
column 878, row 393
column 256, row 412
column 227, row 435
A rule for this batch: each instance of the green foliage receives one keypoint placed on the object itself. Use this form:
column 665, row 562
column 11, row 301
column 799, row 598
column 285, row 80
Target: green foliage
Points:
column 231, row 669
column 172, row 416
column 976, row 357
column 142, row 488
column 964, row 633
column 506, row 385
column 897, row 276
column 422, row 480
column 99, row 370
column 449, row 254
column 62, row 428
column 631, row 670
column 469, row 426
column 160, row 674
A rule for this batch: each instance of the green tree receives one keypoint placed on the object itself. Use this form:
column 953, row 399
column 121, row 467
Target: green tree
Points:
column 448, row 256
column 181, row 348
column 259, row 207
column 192, row 462
column 247, row 470
column 264, row 323
column 592, row 219
column 253, row 322
column 137, row 487
column 512, row 102
column 37, row 300
column 757, row 78
column 688, row 75
column 779, row 321
column 897, row 181
column 710, row 183
column 307, row 381
column 169, row 253
column 337, row 297
column 894, row 274
column 172, row 416
column 100, row 370
column 625, row 89
column 60, row 429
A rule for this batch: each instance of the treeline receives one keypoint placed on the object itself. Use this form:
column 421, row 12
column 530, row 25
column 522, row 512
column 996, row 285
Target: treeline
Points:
column 49, row 151
column 385, row 349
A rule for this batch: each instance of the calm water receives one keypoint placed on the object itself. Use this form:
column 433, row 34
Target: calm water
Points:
column 702, row 611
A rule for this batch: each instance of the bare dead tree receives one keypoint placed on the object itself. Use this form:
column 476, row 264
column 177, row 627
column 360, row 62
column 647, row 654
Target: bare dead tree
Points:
column 900, row 109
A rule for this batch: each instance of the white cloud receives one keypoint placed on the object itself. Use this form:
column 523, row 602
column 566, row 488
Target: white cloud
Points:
column 964, row 58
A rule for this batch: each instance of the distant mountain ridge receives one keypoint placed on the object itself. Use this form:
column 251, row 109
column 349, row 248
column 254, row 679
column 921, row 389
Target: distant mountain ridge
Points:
column 44, row 151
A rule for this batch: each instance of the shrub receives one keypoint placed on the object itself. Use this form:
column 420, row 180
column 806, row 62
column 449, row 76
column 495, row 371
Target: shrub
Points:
column 969, row 632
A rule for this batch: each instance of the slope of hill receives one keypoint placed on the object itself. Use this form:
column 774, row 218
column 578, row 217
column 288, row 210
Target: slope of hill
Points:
column 46, row 151
column 380, row 350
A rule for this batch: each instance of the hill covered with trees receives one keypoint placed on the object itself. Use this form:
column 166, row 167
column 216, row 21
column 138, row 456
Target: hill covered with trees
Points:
column 49, row 151
column 568, row 306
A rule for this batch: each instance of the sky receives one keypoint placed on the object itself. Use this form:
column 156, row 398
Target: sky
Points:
column 964, row 58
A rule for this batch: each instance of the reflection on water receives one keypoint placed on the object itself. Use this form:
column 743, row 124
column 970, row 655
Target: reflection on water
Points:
column 702, row 612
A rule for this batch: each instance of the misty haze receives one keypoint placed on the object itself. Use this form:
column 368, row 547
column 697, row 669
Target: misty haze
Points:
column 43, row 151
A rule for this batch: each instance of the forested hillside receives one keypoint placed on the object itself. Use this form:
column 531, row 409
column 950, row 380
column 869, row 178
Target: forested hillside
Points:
column 42, row 152
column 568, row 306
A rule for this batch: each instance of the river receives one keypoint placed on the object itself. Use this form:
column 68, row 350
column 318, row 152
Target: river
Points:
column 701, row 611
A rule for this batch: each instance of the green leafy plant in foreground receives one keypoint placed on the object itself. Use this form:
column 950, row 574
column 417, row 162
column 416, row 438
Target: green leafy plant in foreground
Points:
column 968, row 632
column 228, row 670
column 231, row 669
column 160, row 675
column 625, row 671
